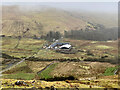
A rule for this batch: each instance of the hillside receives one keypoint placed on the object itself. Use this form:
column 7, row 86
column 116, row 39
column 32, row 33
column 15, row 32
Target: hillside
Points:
column 107, row 19
column 18, row 21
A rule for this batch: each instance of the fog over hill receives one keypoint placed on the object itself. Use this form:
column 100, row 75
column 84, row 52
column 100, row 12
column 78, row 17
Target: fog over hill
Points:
column 38, row 19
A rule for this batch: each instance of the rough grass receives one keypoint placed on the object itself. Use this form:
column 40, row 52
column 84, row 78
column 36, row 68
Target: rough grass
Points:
column 36, row 66
column 103, row 47
column 109, row 82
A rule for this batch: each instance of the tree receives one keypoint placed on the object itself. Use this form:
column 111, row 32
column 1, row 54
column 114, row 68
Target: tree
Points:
column 57, row 35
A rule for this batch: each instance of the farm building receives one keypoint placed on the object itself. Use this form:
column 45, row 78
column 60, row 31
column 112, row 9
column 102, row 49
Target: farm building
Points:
column 66, row 46
column 59, row 45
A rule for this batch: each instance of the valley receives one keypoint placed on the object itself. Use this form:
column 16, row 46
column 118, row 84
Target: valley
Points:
column 51, row 48
column 90, row 63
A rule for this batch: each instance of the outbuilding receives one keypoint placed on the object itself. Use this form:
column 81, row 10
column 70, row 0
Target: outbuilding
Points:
column 66, row 46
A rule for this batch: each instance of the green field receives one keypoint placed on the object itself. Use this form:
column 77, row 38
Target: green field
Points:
column 21, row 71
column 27, row 46
column 110, row 71
column 22, row 76
column 46, row 73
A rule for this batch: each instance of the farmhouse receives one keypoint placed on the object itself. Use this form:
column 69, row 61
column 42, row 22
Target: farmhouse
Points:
column 59, row 45
column 66, row 46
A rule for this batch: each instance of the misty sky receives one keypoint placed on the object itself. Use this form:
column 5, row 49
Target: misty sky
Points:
column 108, row 7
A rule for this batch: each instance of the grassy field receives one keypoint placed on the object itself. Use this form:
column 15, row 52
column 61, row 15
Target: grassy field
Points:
column 87, row 49
column 99, row 50
column 79, row 70
column 46, row 74
column 21, row 68
column 111, row 70
column 21, row 71
column 27, row 46
column 37, row 66
column 21, row 76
